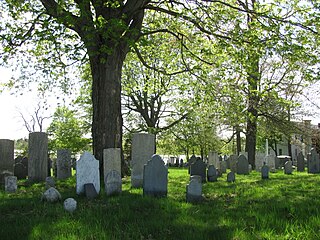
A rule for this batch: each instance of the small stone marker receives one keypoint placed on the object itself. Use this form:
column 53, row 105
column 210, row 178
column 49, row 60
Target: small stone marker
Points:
column 155, row 177
column 194, row 191
column 70, row 205
column 212, row 174
column 21, row 168
column 288, row 167
column 63, row 163
column 6, row 159
column 90, row 191
column 50, row 182
column 199, row 168
column 300, row 162
column 242, row 165
column 113, row 183
column 231, row 177
column 265, row 172
column 51, row 195
column 10, row 184
column 87, row 171
column 313, row 161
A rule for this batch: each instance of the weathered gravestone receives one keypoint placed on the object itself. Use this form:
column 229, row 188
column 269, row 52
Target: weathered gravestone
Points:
column 63, row 163
column 212, row 173
column 277, row 162
column 271, row 162
column 242, row 165
column 155, row 177
column 233, row 162
column 260, row 159
column 50, row 182
column 143, row 147
column 10, row 184
column 191, row 161
column 21, row 167
column 112, row 170
column 288, row 167
column 213, row 159
column 223, row 166
column 87, row 171
column 231, row 177
column 199, row 168
column 38, row 156
column 51, row 195
column 70, row 205
column 313, row 161
column 300, row 162
column 265, row 172
column 194, row 191
column 90, row 191
column 6, row 159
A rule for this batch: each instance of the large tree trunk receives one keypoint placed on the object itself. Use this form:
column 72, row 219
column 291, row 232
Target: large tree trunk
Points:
column 251, row 140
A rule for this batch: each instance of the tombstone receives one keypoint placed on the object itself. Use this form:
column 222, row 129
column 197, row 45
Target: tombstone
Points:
column 223, row 166
column 288, row 167
column 90, row 191
column 194, row 191
column 212, row 173
column 213, row 159
column 265, row 172
column 51, row 195
column 87, row 171
column 6, row 159
column 244, row 154
column 276, row 162
column 21, row 167
column 10, row 184
column 300, row 162
column 199, row 168
column 231, row 177
column 270, row 160
column 191, row 161
column 313, row 161
column 63, row 163
column 181, row 163
column 196, row 177
column 50, row 182
column 113, row 183
column 143, row 147
column 155, row 177
column 38, row 156
column 233, row 163
column 70, row 205
column 242, row 165
column 259, row 160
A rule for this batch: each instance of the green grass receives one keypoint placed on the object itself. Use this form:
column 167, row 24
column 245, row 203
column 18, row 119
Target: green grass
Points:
column 283, row 207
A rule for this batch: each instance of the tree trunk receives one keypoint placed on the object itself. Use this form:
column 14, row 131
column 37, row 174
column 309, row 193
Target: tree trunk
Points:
column 238, row 139
column 251, row 140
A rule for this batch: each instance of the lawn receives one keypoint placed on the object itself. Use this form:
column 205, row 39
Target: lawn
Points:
column 283, row 207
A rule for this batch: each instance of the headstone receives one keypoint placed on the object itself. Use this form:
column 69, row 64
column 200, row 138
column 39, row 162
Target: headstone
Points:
column 38, row 156
column 265, row 172
column 155, row 177
column 87, row 171
column 313, row 161
column 242, row 165
column 260, row 159
column 192, row 159
column 288, row 167
column 197, row 178
column 223, row 166
column 194, row 191
column 143, row 147
column 51, row 195
column 113, row 183
column 63, row 163
column 300, row 162
column 90, row 191
column 233, row 163
column 199, row 168
column 212, row 173
column 231, row 177
column 213, row 159
column 70, row 205
column 21, row 167
column 270, row 161
column 276, row 162
column 50, row 182
column 6, row 159
column 10, row 184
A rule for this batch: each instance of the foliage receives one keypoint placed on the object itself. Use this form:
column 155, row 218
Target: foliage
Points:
column 21, row 147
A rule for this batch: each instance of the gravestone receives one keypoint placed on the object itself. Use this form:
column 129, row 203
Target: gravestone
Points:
column 213, row 159
column 313, row 161
column 143, row 147
column 113, row 183
column 242, row 165
column 194, row 191
column 112, row 170
column 300, row 162
column 231, row 177
column 50, row 182
column 90, row 191
column 70, row 205
column 277, row 162
column 63, row 163
column 192, row 159
column 271, row 162
column 6, row 159
column 87, row 171
column 21, row 167
column 223, row 166
column 265, row 172
column 233, row 162
column 10, row 184
column 197, row 178
column 51, row 195
column 199, row 168
column 38, row 156
column 260, row 159
column 155, row 177
column 288, row 167
column 212, row 173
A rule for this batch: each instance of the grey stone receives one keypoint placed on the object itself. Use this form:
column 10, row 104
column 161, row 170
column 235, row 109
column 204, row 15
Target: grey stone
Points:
column 213, row 159
column 51, row 195
column 196, row 177
column 63, row 163
column 223, row 166
column 194, row 191
column 6, row 159
column 231, row 177
column 212, row 173
column 155, row 177
column 242, row 165
column 300, row 162
column 199, row 168
column 70, row 205
column 260, row 159
column 111, row 163
column 113, row 183
column 288, row 167
column 87, row 171
column 90, row 191
column 265, row 172
column 10, row 184
column 143, row 147
column 21, row 168
column 233, row 163
column 38, row 156
column 313, row 161
column 50, row 182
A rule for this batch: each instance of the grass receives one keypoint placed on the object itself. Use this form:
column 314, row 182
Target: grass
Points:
column 283, row 207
